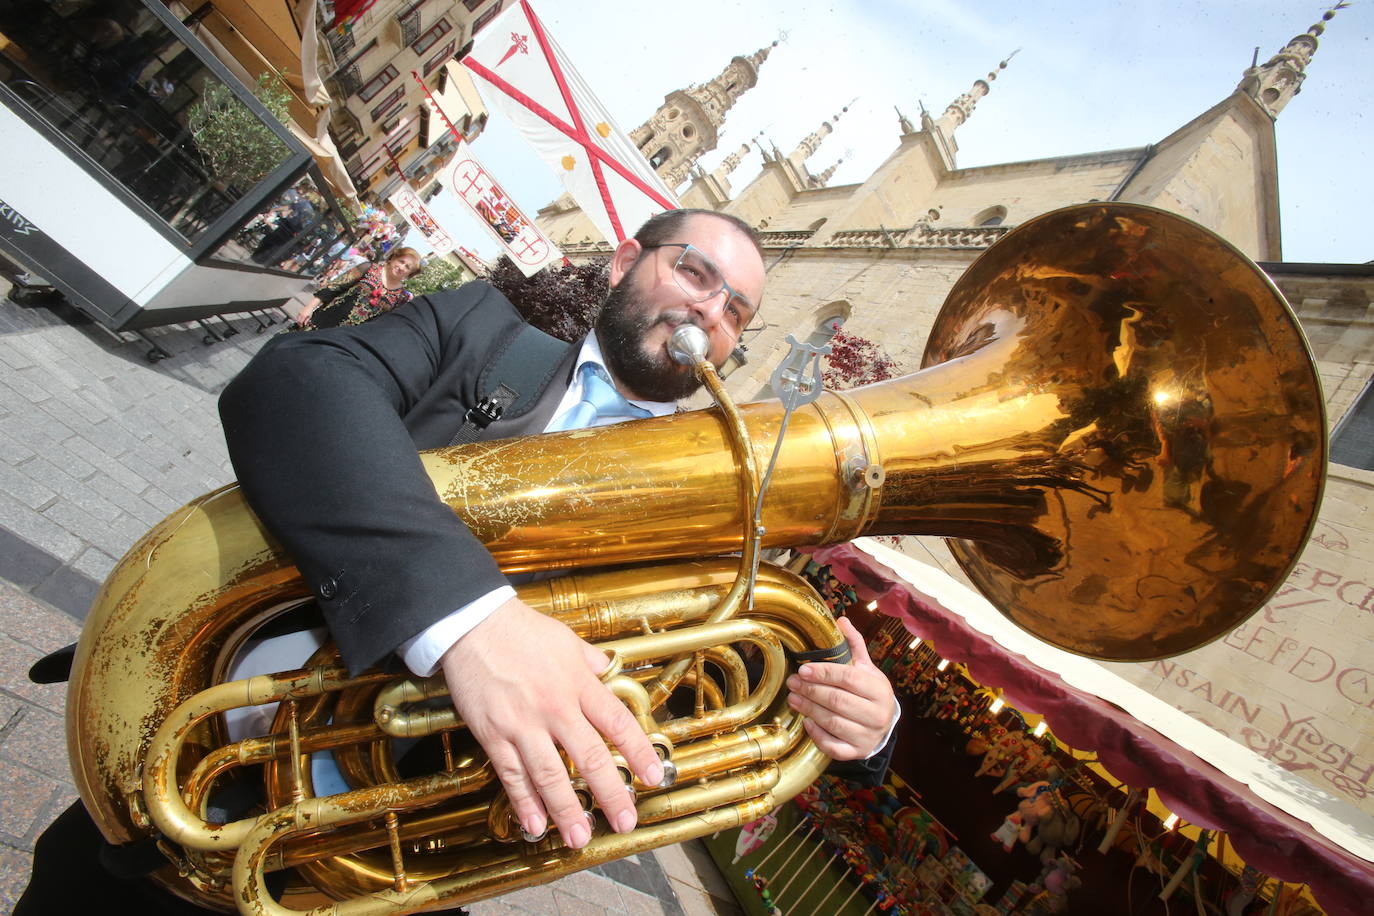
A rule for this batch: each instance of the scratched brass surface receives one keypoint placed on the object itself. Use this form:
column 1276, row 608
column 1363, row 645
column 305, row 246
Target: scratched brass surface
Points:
column 1135, row 398
column 1119, row 419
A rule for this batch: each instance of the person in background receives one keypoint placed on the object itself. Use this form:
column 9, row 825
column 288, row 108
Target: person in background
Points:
column 363, row 294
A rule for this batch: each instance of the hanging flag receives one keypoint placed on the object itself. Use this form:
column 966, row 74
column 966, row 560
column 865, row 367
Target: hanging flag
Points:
column 525, row 245
column 531, row 81
column 346, row 12
column 409, row 205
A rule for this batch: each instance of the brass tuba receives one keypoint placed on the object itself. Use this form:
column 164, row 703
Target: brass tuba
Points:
column 1117, row 419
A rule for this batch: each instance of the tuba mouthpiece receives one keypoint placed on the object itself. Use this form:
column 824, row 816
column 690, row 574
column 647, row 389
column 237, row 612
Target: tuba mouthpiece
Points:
column 688, row 344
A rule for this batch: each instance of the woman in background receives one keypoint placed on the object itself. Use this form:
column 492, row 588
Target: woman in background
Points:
column 355, row 298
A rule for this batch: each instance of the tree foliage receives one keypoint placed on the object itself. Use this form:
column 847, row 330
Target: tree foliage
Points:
column 855, row 361
column 561, row 301
column 237, row 148
column 436, row 274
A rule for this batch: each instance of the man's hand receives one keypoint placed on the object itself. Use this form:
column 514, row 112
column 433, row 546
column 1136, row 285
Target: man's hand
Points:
column 848, row 708
column 526, row 685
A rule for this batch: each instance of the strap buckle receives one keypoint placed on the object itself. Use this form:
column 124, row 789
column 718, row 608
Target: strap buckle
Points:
column 487, row 411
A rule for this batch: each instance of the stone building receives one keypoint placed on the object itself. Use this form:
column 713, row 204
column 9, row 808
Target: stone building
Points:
column 1294, row 683
column 383, row 120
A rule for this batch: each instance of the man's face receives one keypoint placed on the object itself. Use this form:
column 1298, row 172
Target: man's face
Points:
column 647, row 302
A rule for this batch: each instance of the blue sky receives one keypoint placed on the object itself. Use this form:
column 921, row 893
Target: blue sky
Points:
column 1089, row 76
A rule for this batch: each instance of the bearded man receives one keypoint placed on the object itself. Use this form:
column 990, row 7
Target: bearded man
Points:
column 323, row 431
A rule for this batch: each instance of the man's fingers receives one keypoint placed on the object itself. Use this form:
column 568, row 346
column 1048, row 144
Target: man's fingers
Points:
column 545, row 769
column 858, row 649
column 619, row 727
column 831, row 745
column 844, row 727
column 524, row 796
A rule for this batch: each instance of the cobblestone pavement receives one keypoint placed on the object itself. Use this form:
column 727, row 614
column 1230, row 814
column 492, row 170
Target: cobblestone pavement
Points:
column 96, row 445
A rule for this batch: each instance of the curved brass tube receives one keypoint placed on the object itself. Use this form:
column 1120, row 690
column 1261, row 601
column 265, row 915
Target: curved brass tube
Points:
column 1118, row 427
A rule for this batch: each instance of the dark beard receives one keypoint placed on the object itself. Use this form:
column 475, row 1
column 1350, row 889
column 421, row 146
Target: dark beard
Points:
column 621, row 327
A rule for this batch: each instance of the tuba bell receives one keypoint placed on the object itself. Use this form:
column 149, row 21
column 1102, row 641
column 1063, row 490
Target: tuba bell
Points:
column 1117, row 424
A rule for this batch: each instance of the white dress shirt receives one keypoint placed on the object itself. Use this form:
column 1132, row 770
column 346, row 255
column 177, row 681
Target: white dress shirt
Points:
column 422, row 653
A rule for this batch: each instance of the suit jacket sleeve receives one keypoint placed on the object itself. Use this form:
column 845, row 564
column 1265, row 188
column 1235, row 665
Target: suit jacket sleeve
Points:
column 871, row 771
column 318, row 427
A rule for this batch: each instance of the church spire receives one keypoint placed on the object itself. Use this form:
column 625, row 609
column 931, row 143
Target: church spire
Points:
column 688, row 123
column 813, row 140
column 959, row 110
column 823, row 178
column 1275, row 83
column 731, row 162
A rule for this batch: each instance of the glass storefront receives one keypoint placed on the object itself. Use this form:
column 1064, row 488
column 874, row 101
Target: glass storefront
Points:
column 120, row 87
column 298, row 233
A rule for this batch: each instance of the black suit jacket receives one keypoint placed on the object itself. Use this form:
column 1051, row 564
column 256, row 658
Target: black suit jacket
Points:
column 349, row 408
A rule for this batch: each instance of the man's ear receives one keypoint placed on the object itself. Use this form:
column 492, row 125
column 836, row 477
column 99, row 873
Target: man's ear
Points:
column 624, row 258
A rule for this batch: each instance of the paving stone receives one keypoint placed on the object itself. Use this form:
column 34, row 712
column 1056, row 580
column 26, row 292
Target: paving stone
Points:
column 636, row 902
column 12, row 451
column 532, row 899
column 27, row 793
column 69, row 591
column 568, row 905
column 14, row 676
column 36, row 738
column 94, row 563
column 19, row 484
column 39, row 531
column 13, row 356
column 592, row 888
column 15, row 865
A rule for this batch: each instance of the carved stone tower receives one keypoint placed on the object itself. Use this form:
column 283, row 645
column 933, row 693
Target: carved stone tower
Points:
column 1275, row 83
column 687, row 125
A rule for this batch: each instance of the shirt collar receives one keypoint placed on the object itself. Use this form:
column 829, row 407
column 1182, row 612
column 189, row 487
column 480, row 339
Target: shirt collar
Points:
column 591, row 353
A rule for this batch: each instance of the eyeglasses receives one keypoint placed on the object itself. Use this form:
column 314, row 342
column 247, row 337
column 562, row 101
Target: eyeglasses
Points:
column 699, row 277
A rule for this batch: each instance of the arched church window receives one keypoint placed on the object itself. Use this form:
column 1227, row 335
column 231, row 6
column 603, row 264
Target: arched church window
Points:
column 992, row 216
column 829, row 319
column 658, row 158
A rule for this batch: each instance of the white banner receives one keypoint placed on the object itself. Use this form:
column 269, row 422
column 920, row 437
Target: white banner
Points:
column 473, row 185
column 530, row 80
column 409, row 205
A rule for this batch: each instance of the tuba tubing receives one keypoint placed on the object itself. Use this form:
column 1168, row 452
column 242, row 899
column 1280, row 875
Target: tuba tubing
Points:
column 1118, row 425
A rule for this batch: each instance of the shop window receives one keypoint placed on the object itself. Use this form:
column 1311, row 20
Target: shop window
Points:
column 298, row 233
column 369, row 89
column 486, row 17
column 1352, row 443
column 438, row 60
column 429, row 38
column 137, row 106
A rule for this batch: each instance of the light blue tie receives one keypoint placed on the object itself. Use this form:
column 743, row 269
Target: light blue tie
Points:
column 600, row 401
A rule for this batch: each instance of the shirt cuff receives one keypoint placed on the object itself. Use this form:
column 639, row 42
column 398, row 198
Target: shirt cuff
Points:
column 422, row 653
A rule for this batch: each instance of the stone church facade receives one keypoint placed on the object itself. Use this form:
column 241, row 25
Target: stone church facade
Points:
column 1295, row 683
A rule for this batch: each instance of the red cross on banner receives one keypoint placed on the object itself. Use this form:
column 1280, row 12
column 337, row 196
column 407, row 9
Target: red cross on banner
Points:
column 536, row 86
column 525, row 245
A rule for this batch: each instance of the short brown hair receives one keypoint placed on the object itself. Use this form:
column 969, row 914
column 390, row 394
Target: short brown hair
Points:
column 402, row 252
column 662, row 227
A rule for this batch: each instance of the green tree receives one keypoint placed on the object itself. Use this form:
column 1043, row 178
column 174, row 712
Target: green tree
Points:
column 236, row 147
column 437, row 273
